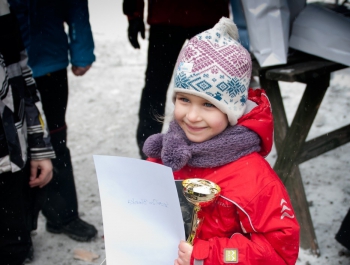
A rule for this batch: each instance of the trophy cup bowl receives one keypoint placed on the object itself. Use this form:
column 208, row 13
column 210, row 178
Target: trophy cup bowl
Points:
column 201, row 193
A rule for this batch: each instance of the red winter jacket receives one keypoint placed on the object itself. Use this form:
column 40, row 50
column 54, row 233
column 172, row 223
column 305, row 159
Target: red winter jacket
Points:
column 183, row 13
column 253, row 221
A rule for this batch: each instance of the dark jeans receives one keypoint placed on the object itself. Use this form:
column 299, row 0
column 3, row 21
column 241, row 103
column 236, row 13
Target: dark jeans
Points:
column 61, row 206
column 165, row 43
column 19, row 209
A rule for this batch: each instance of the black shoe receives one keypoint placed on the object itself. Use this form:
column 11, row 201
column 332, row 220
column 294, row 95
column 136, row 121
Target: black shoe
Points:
column 30, row 256
column 77, row 229
column 343, row 234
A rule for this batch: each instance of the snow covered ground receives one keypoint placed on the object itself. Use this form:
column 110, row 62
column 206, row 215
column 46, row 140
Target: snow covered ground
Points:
column 102, row 119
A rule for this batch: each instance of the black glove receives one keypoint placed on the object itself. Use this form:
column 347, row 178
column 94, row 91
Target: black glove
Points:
column 136, row 26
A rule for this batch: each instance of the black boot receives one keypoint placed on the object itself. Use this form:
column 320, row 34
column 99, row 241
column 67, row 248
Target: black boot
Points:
column 343, row 235
column 77, row 229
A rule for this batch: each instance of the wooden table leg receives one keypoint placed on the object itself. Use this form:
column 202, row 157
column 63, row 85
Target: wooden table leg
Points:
column 298, row 197
column 295, row 185
column 300, row 127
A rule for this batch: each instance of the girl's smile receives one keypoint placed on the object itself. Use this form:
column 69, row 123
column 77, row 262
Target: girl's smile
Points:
column 195, row 129
column 199, row 119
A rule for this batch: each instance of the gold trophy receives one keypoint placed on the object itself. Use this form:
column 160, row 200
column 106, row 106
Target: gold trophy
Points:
column 201, row 193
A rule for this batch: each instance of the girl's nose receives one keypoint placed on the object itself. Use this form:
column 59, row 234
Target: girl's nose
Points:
column 193, row 114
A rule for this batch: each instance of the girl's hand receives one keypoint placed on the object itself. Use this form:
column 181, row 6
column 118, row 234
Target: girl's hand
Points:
column 185, row 252
column 40, row 172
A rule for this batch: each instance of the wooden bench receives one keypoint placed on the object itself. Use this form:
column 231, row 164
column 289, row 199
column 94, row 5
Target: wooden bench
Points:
column 290, row 141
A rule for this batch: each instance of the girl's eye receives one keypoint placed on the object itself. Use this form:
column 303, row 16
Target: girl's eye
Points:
column 184, row 99
column 209, row 105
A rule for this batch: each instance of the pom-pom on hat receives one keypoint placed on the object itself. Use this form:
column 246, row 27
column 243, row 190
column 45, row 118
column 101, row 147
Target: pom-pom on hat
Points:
column 215, row 66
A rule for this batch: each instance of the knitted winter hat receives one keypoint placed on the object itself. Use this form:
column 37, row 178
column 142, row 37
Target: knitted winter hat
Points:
column 215, row 66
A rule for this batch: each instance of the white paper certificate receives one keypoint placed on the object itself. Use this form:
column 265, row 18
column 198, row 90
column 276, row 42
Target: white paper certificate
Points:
column 141, row 212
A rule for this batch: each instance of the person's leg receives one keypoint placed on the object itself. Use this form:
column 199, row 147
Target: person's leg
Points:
column 61, row 207
column 15, row 241
column 343, row 235
column 165, row 43
column 240, row 21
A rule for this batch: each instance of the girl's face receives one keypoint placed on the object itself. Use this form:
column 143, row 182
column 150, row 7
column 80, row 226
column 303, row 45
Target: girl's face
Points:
column 199, row 118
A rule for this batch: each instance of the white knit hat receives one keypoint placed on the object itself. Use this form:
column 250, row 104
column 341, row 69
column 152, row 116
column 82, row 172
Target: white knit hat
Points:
column 215, row 66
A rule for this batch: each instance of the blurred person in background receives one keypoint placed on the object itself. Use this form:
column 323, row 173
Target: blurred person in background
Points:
column 240, row 21
column 25, row 148
column 50, row 51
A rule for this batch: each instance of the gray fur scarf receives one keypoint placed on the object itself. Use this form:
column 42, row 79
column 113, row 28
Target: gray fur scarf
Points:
column 176, row 151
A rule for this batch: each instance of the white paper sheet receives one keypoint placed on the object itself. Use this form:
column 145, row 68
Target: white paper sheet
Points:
column 141, row 212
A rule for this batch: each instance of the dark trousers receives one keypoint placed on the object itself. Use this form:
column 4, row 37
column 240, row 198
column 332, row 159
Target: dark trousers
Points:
column 343, row 235
column 19, row 209
column 165, row 43
column 61, row 205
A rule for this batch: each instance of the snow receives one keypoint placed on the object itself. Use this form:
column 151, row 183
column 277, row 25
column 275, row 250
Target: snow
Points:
column 102, row 119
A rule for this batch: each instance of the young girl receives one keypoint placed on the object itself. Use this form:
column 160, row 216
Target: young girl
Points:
column 221, row 132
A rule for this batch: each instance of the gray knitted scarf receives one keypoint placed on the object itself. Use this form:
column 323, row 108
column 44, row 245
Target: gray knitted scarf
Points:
column 175, row 150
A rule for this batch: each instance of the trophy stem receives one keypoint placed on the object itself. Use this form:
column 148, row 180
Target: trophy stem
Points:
column 194, row 225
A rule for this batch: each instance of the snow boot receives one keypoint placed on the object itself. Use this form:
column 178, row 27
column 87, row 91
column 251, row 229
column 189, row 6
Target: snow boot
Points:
column 343, row 235
column 77, row 229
